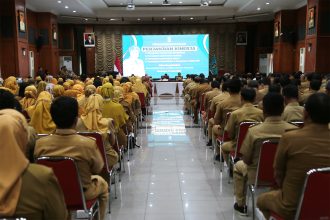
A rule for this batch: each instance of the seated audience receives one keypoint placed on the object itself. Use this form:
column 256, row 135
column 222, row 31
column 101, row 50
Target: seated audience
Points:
column 273, row 127
column 292, row 111
column 229, row 104
column 314, row 87
column 30, row 97
column 66, row 142
column 11, row 84
column 39, row 113
column 27, row 190
column 92, row 120
column 245, row 113
column 115, row 111
column 298, row 152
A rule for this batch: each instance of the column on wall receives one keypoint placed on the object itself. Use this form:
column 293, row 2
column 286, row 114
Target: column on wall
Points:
column 90, row 53
column 317, row 41
column 48, row 38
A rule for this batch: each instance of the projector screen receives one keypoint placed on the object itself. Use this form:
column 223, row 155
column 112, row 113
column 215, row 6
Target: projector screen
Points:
column 156, row 55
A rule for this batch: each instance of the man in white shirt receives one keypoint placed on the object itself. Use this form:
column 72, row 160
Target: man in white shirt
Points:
column 134, row 65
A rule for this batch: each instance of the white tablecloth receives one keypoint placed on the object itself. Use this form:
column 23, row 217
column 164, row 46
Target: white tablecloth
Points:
column 167, row 87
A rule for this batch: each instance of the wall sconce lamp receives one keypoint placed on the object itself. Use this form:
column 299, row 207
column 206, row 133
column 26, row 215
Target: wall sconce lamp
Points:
column 24, row 51
column 309, row 47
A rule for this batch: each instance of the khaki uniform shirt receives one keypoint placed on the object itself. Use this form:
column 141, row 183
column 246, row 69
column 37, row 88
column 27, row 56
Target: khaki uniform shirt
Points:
column 41, row 196
column 298, row 152
column 66, row 142
column 230, row 104
column 246, row 113
column 303, row 98
column 202, row 88
column 273, row 127
column 217, row 99
column 293, row 112
column 209, row 96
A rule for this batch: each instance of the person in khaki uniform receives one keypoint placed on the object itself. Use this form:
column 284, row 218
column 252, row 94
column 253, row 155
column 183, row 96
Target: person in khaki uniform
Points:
column 273, row 127
column 200, row 89
column 215, row 85
column 314, row 87
column 27, row 190
column 298, row 152
column 259, row 95
column 230, row 104
column 246, row 113
column 292, row 111
column 66, row 142
column 213, row 106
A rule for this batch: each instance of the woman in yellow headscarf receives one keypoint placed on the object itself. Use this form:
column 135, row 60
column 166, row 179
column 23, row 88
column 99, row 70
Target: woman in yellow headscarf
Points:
column 80, row 88
column 132, row 98
column 75, row 92
column 115, row 111
column 30, row 96
column 66, row 85
column 11, row 84
column 119, row 98
column 41, row 87
column 92, row 120
column 22, row 183
column 58, row 91
column 140, row 87
column 39, row 113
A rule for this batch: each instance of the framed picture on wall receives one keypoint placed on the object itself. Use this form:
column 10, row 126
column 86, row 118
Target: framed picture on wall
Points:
column 21, row 21
column 276, row 29
column 89, row 39
column 311, row 17
column 241, row 38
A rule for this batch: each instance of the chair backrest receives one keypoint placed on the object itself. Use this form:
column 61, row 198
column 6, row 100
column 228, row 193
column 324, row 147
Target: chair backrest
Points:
column 225, row 135
column 242, row 131
column 100, row 144
column 265, row 170
column 315, row 198
column 142, row 99
column 67, row 174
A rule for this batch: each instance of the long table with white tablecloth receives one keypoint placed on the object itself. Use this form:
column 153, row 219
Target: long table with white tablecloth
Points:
column 161, row 88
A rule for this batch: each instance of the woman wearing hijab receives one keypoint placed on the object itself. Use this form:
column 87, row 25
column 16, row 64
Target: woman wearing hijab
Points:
column 132, row 98
column 115, row 111
column 11, row 84
column 39, row 113
column 139, row 87
column 58, row 91
column 41, row 87
column 30, row 96
column 119, row 98
column 26, row 190
column 92, row 120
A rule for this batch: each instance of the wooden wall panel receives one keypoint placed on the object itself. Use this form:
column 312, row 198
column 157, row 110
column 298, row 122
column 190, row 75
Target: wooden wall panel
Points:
column 90, row 54
column 310, row 58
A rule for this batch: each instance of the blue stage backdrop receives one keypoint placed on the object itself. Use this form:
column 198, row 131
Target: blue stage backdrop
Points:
column 156, row 55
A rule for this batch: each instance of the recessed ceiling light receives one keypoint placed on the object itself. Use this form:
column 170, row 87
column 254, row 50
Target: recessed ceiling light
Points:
column 267, row 3
column 112, row 19
column 191, row 18
column 210, row 2
column 59, row 2
column 74, row 11
column 139, row 19
column 86, row 19
column 180, row 2
column 66, row 7
column 258, row 9
column 150, row 2
column 164, row 19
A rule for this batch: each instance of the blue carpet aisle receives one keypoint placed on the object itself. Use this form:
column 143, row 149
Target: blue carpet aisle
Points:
column 172, row 176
